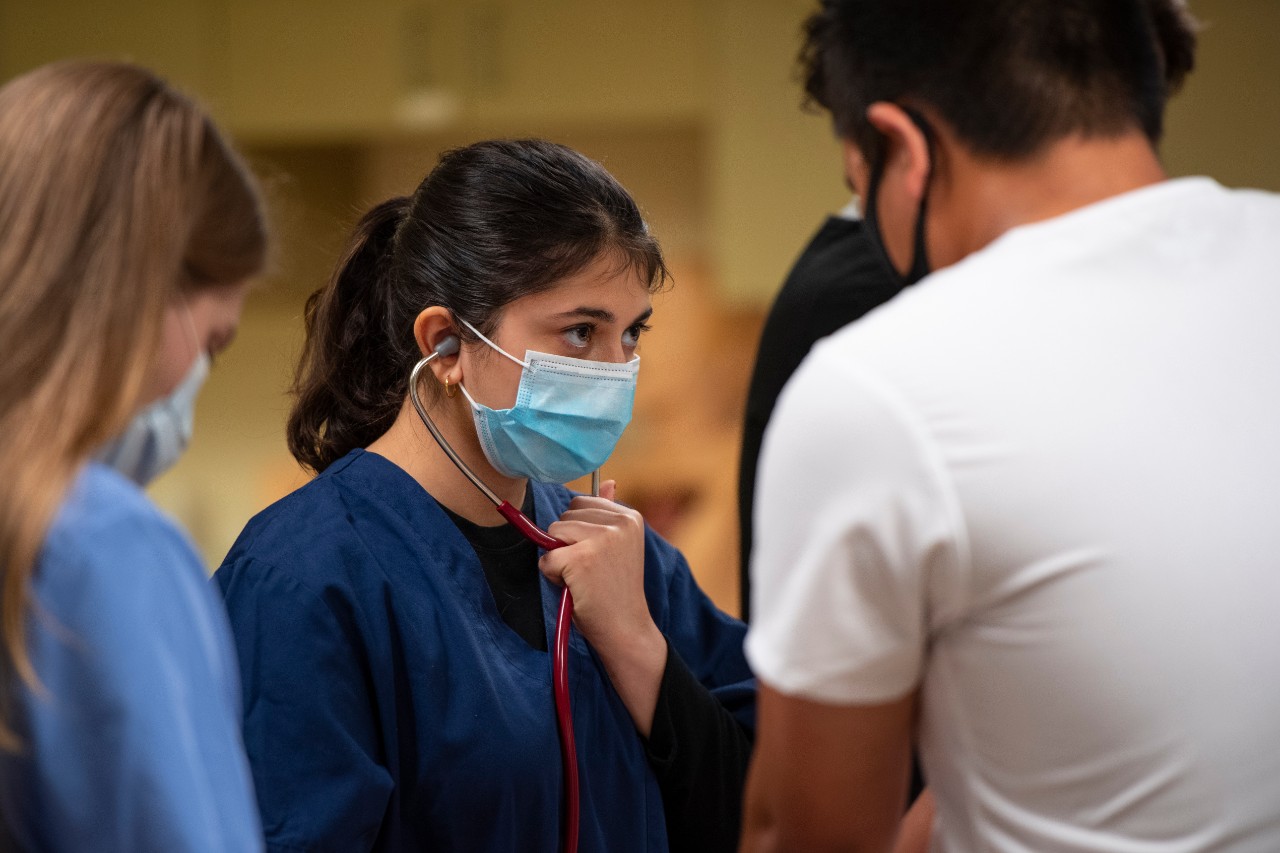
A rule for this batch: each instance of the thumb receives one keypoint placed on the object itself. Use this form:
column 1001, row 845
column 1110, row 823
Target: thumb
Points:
column 608, row 489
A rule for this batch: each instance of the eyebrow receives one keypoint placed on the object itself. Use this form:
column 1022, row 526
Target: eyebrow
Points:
column 600, row 314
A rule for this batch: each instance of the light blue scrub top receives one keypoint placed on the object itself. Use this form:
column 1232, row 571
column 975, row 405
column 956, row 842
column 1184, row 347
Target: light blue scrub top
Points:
column 136, row 744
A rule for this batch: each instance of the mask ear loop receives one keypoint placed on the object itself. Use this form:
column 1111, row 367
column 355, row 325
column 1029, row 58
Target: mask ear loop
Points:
column 919, row 253
column 463, row 388
column 191, row 326
column 491, row 344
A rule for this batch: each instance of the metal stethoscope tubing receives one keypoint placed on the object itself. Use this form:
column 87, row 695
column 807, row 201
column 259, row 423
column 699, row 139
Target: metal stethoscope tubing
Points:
column 560, row 650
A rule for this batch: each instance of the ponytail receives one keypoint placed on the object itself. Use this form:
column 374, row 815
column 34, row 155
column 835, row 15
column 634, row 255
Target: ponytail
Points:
column 492, row 223
column 349, row 385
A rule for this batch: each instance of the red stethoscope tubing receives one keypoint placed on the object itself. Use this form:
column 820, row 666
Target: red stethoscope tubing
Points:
column 560, row 648
column 559, row 679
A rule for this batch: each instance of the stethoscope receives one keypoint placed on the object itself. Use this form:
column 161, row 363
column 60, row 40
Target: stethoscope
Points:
column 560, row 649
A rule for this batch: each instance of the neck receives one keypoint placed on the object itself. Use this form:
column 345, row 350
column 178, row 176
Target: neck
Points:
column 975, row 201
column 408, row 444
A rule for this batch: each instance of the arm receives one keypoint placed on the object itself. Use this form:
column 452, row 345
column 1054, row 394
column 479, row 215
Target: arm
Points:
column 135, row 742
column 850, row 583
column 828, row 777
column 917, row 825
column 310, row 727
column 699, row 754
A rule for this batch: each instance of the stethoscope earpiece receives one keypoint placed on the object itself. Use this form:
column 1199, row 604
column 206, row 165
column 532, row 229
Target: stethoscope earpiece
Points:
column 448, row 346
column 560, row 648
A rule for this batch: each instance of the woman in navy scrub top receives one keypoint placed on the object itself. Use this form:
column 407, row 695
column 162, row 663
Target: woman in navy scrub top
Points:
column 393, row 631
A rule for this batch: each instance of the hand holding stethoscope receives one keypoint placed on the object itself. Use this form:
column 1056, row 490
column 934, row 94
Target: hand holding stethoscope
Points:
column 609, row 604
column 603, row 564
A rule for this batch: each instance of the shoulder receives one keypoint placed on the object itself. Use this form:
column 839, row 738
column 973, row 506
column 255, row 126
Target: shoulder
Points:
column 317, row 515
column 362, row 523
column 138, row 684
column 862, row 443
column 108, row 538
column 123, row 589
column 840, row 418
column 101, row 503
column 316, row 505
column 1257, row 208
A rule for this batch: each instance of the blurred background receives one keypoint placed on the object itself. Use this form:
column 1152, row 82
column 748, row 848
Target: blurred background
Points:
column 692, row 104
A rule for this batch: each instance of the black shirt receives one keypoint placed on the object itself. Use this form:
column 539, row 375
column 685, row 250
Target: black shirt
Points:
column 510, row 564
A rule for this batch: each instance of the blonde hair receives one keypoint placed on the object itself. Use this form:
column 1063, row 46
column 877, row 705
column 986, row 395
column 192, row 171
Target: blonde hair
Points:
column 117, row 193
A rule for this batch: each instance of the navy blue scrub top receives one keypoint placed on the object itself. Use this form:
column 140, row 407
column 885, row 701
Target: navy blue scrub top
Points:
column 388, row 706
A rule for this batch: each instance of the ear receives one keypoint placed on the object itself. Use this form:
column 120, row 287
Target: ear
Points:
column 431, row 327
column 857, row 173
column 907, row 149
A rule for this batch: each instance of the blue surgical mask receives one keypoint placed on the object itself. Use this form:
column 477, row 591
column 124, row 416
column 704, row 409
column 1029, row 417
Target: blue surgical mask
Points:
column 157, row 436
column 569, row 414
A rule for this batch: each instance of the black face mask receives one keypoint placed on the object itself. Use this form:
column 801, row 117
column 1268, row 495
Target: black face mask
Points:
column 919, row 254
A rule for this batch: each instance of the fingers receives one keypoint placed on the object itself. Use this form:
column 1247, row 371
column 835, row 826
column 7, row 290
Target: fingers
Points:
column 605, row 530
column 596, row 531
column 573, row 531
column 590, row 537
column 558, row 563
column 552, row 565
column 576, row 536
column 583, row 501
column 594, row 515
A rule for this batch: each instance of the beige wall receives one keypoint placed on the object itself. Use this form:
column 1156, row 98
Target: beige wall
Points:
column 692, row 103
column 287, row 72
column 290, row 72
column 1226, row 123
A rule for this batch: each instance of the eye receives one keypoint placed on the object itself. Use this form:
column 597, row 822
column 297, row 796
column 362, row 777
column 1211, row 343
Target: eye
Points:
column 579, row 336
column 631, row 337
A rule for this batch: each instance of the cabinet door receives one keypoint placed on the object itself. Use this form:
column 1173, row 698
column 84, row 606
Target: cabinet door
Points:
column 311, row 68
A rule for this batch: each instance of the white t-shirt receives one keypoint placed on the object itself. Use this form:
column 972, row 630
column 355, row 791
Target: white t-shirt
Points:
column 1043, row 487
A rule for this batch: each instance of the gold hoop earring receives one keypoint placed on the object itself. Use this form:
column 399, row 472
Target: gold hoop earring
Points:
column 450, row 390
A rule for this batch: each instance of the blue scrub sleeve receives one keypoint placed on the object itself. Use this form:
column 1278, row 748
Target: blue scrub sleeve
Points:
column 133, row 744
column 310, row 727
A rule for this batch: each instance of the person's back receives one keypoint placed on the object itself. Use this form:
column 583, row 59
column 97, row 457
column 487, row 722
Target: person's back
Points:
column 1035, row 535
column 1095, row 521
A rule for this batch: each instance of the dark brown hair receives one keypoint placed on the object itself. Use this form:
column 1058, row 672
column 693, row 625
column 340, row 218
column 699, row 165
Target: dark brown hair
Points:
column 492, row 222
column 116, row 194
column 1008, row 76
